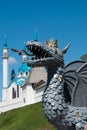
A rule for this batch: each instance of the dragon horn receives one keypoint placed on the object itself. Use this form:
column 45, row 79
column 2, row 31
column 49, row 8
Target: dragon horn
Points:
column 66, row 48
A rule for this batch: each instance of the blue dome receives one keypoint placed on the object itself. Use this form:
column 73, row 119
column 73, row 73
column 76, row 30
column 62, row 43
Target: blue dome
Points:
column 20, row 81
column 24, row 67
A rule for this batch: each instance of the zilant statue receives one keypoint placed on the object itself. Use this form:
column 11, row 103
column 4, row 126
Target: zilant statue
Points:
column 60, row 104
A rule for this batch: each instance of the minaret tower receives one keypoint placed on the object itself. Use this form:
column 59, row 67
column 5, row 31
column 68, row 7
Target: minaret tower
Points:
column 35, row 36
column 5, row 68
column 24, row 56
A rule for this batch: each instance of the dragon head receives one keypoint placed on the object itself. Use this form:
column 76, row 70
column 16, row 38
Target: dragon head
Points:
column 44, row 55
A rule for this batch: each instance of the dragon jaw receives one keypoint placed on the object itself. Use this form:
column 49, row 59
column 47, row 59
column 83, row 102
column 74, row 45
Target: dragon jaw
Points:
column 44, row 55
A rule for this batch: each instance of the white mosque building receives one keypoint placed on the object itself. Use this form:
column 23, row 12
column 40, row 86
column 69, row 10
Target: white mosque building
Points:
column 26, row 88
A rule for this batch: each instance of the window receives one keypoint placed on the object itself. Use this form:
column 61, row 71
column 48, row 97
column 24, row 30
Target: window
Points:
column 17, row 91
column 13, row 93
column 21, row 73
column 26, row 73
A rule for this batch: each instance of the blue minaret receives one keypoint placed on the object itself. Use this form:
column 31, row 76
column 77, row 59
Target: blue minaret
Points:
column 5, row 68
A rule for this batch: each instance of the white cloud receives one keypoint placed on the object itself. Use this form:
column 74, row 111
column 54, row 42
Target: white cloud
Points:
column 12, row 60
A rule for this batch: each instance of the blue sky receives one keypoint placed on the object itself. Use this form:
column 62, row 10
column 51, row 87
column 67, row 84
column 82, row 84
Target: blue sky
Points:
column 64, row 20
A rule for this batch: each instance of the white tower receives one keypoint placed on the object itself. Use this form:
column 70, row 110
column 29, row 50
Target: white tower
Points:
column 5, row 69
column 24, row 56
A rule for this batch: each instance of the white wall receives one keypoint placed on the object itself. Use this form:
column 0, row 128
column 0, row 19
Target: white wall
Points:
column 38, row 95
column 27, row 96
column 11, row 104
column 4, row 94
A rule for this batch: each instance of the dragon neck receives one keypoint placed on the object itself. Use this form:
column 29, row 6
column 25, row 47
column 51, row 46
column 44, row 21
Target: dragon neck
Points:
column 50, row 73
column 53, row 98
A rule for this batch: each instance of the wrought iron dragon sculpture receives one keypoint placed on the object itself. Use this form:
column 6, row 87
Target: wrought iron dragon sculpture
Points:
column 58, row 99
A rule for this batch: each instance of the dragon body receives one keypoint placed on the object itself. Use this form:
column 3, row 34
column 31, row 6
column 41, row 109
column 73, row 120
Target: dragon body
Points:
column 63, row 115
column 58, row 99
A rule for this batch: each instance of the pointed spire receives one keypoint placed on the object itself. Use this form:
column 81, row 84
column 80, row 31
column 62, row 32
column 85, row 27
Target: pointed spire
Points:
column 25, row 45
column 13, row 75
column 35, row 35
column 5, row 41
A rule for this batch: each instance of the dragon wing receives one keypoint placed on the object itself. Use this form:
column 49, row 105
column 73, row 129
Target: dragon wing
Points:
column 72, row 72
column 84, row 57
column 82, row 73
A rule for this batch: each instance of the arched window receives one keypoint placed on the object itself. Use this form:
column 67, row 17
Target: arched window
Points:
column 26, row 73
column 17, row 91
column 21, row 73
column 13, row 93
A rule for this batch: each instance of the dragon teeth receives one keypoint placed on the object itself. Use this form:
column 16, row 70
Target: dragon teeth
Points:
column 38, row 50
column 35, row 48
column 31, row 47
